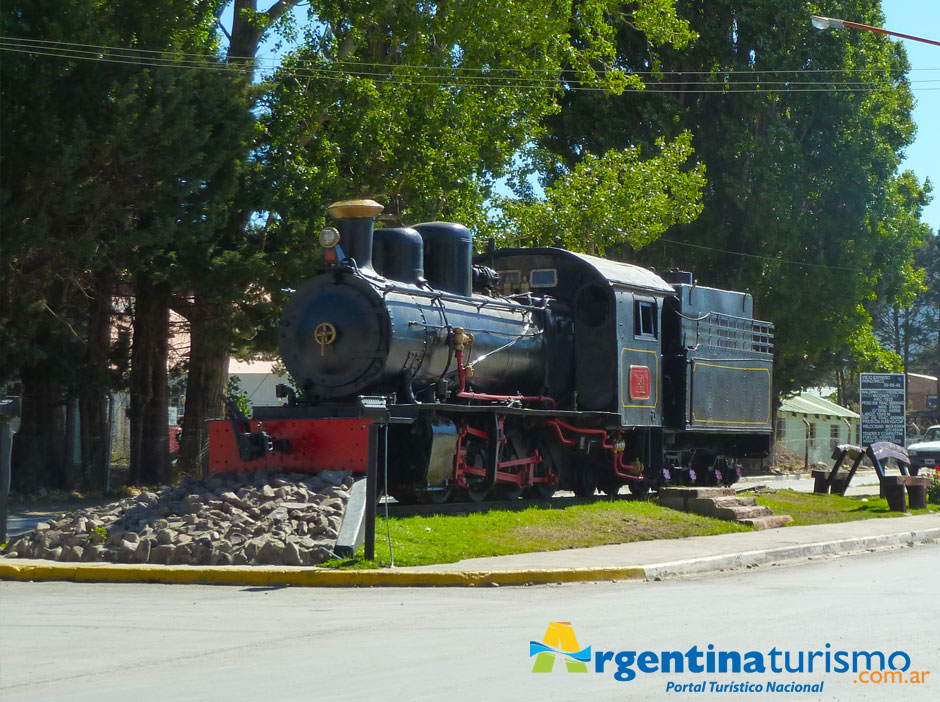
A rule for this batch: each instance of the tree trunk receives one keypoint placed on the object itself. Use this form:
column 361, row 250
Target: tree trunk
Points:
column 209, row 335
column 205, row 385
column 908, row 331
column 150, row 431
column 39, row 445
column 93, row 407
column 896, row 328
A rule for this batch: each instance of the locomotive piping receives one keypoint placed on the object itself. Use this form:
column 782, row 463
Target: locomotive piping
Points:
column 463, row 393
column 516, row 338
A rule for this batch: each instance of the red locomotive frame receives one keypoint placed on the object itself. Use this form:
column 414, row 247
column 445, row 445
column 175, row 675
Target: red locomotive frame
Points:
column 315, row 445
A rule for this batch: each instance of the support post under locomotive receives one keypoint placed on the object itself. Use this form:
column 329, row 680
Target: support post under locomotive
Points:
column 372, row 471
column 376, row 409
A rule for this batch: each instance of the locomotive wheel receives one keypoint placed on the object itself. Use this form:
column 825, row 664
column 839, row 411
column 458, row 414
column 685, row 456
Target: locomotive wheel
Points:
column 439, row 497
column 477, row 495
column 475, row 490
column 639, row 488
column 608, row 484
column 551, row 463
column 584, row 479
column 513, row 449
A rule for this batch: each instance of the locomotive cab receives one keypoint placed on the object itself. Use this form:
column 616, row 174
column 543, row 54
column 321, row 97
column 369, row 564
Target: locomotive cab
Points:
column 615, row 311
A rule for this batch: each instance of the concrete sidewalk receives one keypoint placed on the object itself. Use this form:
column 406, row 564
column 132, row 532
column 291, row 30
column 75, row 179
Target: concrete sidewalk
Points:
column 648, row 560
column 700, row 554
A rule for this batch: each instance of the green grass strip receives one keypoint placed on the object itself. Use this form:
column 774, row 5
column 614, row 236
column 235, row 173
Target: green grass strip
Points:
column 446, row 539
column 810, row 508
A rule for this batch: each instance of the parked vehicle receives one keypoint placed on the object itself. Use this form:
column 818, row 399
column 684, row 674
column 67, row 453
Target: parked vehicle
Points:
column 925, row 452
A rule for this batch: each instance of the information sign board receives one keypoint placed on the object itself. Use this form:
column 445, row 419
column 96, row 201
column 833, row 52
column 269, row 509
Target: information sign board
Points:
column 882, row 401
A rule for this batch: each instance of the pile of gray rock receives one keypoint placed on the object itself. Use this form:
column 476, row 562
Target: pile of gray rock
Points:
column 260, row 518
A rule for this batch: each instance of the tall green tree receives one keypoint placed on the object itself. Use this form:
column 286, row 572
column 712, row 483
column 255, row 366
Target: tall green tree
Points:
column 222, row 260
column 801, row 133
column 105, row 163
column 420, row 106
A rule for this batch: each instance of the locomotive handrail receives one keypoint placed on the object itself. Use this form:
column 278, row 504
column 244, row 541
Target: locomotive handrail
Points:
column 449, row 328
column 694, row 319
column 523, row 335
column 730, row 331
column 435, row 295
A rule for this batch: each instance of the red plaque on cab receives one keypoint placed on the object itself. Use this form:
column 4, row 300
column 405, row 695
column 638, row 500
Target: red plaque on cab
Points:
column 639, row 383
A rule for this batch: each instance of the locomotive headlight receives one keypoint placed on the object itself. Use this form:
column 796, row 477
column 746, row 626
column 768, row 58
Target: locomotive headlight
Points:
column 329, row 237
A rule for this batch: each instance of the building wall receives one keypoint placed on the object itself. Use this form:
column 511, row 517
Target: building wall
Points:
column 260, row 388
column 826, row 433
column 921, row 392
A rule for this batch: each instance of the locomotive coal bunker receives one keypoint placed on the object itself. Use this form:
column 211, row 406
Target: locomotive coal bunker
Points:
column 515, row 371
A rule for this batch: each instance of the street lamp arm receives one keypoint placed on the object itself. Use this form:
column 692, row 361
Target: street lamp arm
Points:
column 832, row 23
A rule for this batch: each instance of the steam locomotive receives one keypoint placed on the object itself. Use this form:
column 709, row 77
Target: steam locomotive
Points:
column 515, row 371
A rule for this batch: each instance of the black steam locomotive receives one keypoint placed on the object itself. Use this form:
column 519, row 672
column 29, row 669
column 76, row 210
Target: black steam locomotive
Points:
column 516, row 371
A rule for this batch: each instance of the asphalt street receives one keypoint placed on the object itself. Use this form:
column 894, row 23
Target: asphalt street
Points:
column 69, row 641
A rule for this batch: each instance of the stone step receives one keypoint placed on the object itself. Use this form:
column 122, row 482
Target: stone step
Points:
column 709, row 505
column 770, row 522
column 741, row 513
column 694, row 492
column 674, row 501
column 742, row 500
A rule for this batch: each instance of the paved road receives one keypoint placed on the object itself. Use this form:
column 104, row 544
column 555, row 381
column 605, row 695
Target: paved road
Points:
column 64, row 641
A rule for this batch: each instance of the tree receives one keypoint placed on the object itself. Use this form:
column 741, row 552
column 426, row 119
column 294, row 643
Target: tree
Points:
column 222, row 260
column 94, row 194
column 618, row 198
column 801, row 133
column 420, row 106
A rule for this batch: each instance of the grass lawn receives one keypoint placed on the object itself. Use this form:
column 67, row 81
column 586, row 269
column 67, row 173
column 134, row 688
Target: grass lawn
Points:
column 810, row 508
column 445, row 539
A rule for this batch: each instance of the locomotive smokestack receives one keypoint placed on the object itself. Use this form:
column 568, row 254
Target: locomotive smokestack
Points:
column 355, row 220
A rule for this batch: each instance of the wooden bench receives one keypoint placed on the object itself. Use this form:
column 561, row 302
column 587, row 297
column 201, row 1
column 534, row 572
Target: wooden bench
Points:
column 823, row 484
column 838, row 480
column 894, row 487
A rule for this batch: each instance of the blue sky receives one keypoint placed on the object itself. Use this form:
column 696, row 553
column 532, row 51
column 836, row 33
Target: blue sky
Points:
column 921, row 18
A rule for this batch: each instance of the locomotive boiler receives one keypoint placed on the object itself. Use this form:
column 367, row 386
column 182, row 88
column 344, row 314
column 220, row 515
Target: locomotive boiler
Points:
column 379, row 326
column 513, row 371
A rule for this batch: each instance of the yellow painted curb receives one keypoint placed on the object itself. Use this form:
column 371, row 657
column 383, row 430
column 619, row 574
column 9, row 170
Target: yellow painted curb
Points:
column 306, row 577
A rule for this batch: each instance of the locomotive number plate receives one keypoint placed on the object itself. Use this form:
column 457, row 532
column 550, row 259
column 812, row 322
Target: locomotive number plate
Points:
column 639, row 382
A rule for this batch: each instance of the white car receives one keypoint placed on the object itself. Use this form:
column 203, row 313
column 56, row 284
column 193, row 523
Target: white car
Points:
column 925, row 453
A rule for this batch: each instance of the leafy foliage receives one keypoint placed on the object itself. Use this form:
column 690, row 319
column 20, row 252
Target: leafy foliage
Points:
column 111, row 176
column 801, row 133
column 613, row 199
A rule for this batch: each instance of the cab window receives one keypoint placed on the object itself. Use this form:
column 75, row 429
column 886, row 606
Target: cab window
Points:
column 644, row 319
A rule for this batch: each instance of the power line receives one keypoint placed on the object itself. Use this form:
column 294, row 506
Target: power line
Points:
column 173, row 55
column 436, row 76
column 764, row 258
column 444, row 81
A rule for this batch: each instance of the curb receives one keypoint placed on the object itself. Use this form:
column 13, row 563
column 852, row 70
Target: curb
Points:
column 749, row 559
column 306, row 577
column 272, row 576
